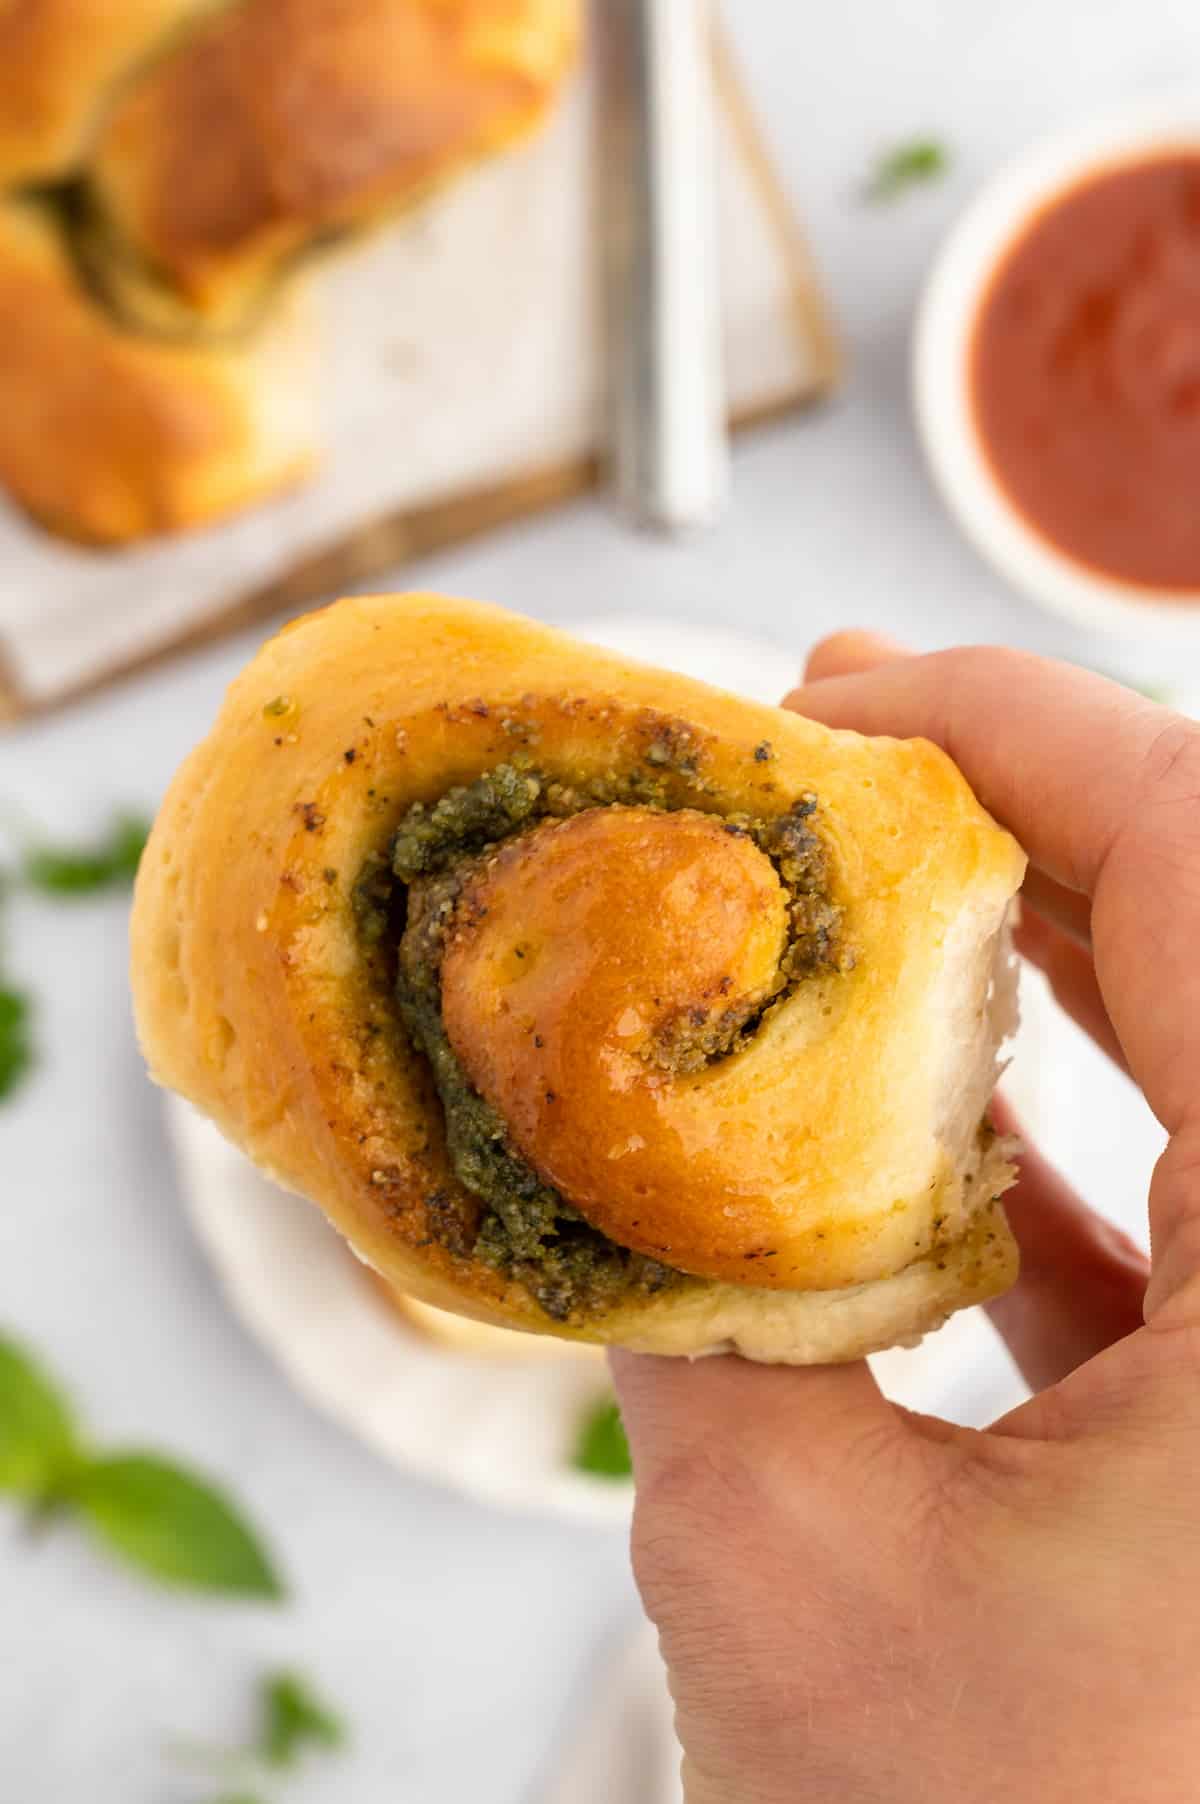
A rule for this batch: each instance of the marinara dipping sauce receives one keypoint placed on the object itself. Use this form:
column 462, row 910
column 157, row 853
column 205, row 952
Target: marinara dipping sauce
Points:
column 1085, row 372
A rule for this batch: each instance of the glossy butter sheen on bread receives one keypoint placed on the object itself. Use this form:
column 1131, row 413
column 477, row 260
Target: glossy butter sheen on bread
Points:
column 585, row 998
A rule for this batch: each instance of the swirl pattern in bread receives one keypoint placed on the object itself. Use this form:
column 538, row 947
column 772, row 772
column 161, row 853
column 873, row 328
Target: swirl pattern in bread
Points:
column 106, row 436
column 585, row 998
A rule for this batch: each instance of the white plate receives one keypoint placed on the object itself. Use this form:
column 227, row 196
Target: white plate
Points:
column 941, row 397
column 500, row 1431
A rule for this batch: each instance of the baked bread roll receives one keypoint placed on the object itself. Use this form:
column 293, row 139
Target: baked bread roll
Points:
column 470, row 1339
column 60, row 63
column 279, row 123
column 584, row 998
column 187, row 157
column 105, row 436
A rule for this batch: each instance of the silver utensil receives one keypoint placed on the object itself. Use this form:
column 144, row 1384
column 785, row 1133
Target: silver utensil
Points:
column 662, row 291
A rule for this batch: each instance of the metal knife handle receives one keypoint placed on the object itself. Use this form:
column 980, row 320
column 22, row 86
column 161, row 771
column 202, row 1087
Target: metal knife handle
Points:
column 663, row 303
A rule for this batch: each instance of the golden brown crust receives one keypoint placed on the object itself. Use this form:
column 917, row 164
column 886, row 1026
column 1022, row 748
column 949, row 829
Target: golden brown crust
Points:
column 579, row 951
column 105, row 436
column 254, row 999
column 285, row 120
column 460, row 1335
column 60, row 61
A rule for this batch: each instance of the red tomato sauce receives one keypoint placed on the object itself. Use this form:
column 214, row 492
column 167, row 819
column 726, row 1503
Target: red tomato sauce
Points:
column 1085, row 372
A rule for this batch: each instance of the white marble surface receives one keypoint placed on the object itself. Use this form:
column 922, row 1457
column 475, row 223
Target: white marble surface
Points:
column 459, row 1641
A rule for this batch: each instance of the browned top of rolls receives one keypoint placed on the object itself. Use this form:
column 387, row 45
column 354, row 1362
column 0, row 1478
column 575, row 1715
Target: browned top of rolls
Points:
column 186, row 156
column 59, row 63
column 106, row 436
column 282, row 120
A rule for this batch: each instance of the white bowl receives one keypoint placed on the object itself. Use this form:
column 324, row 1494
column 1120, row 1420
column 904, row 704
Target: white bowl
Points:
column 941, row 388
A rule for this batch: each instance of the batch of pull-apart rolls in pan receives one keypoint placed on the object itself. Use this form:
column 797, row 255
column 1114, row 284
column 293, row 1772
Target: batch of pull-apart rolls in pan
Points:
column 167, row 170
column 586, row 999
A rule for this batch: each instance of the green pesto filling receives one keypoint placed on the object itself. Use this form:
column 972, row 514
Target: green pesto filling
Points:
column 527, row 1230
column 517, row 1224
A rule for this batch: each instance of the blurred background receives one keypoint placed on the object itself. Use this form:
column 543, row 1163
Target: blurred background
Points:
column 459, row 373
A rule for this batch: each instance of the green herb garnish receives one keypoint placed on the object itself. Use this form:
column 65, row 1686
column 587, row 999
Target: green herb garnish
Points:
column 174, row 1526
column 16, row 1044
column 159, row 1517
column 80, row 871
column 906, row 166
column 39, row 1443
column 61, row 871
column 602, row 1448
column 295, row 1719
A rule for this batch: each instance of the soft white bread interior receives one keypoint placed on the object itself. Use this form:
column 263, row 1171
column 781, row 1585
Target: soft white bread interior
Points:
column 968, row 1027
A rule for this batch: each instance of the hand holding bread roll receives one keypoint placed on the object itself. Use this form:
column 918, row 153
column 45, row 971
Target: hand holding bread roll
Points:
column 1005, row 1607
column 584, row 998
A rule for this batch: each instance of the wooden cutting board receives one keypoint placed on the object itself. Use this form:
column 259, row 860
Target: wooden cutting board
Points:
column 463, row 389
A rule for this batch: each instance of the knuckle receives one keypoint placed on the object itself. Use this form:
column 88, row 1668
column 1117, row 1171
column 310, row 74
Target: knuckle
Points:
column 700, row 1493
column 988, row 663
column 1170, row 782
column 1157, row 845
column 961, row 678
column 1173, row 1297
column 1170, row 770
column 689, row 1515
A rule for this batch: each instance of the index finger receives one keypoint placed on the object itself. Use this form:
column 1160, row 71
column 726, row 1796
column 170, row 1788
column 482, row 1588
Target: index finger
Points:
column 1055, row 753
column 1102, row 788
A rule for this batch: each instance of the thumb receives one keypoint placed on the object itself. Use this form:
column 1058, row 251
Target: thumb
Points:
column 762, row 1492
column 692, row 1423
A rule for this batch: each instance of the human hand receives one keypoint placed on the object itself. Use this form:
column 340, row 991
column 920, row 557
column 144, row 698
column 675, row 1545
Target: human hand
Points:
column 859, row 1604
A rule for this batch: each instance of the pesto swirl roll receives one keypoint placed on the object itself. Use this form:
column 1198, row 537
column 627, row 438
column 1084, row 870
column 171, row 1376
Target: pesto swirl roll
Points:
column 586, row 999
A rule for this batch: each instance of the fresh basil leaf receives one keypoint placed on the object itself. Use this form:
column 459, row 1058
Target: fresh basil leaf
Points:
column 175, row 1526
column 16, row 1043
column 239, row 1797
column 906, row 166
column 38, row 1440
column 126, row 843
column 294, row 1718
column 602, row 1448
column 58, row 872
column 80, row 871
